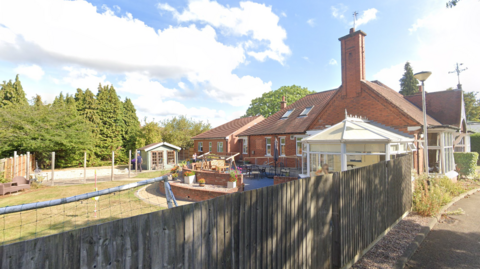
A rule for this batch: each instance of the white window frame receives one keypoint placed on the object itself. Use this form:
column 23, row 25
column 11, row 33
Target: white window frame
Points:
column 298, row 140
column 245, row 146
column 210, row 146
column 284, row 144
column 200, row 146
column 305, row 113
column 218, row 146
column 285, row 114
column 268, row 146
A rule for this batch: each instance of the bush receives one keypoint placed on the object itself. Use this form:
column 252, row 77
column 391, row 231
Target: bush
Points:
column 466, row 162
column 475, row 142
column 432, row 193
column 3, row 179
column 189, row 173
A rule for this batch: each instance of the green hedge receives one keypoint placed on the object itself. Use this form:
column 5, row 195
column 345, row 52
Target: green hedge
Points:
column 466, row 162
column 475, row 142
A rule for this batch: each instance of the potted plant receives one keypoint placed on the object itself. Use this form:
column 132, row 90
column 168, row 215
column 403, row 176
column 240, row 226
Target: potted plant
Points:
column 174, row 176
column 189, row 177
column 201, row 182
column 232, row 182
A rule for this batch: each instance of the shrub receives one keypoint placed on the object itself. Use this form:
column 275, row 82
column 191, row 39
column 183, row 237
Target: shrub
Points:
column 466, row 162
column 432, row 193
column 189, row 173
column 475, row 142
column 174, row 175
column 3, row 179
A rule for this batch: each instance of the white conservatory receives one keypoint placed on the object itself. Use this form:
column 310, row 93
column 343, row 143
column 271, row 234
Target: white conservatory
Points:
column 352, row 143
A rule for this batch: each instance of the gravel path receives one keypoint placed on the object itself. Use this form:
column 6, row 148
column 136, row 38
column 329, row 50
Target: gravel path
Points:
column 386, row 252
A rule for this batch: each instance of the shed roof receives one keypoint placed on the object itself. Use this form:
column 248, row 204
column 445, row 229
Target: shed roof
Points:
column 156, row 145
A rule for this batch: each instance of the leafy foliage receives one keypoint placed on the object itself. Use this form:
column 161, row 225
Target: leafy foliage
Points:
column 269, row 103
column 408, row 83
column 11, row 93
column 451, row 4
column 472, row 106
column 111, row 127
column 466, row 162
column 475, row 142
column 150, row 133
column 179, row 131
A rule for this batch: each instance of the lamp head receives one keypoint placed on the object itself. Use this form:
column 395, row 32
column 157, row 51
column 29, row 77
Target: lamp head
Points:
column 422, row 76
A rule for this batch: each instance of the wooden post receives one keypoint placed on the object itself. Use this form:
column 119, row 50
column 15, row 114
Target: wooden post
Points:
column 53, row 167
column 14, row 164
column 135, row 156
column 113, row 164
column 129, row 162
column 85, row 166
column 27, row 171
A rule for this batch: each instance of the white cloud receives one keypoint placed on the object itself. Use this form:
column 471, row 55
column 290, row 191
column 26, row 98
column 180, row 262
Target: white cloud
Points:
column 444, row 37
column 33, row 71
column 311, row 22
column 367, row 16
column 332, row 62
column 283, row 14
column 75, row 33
column 338, row 11
column 141, row 84
column 84, row 78
column 254, row 20
column 305, row 58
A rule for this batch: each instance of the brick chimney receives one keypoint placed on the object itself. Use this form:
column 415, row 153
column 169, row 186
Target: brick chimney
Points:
column 353, row 62
column 420, row 89
column 283, row 103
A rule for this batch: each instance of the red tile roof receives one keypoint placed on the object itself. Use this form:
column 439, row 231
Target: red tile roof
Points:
column 227, row 129
column 400, row 102
column 444, row 106
column 293, row 124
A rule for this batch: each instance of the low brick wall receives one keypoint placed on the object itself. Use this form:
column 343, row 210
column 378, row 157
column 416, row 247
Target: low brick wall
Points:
column 215, row 178
column 194, row 193
column 280, row 180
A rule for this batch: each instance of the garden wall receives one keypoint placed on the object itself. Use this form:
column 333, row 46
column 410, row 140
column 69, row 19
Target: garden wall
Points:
column 280, row 180
column 194, row 192
column 215, row 178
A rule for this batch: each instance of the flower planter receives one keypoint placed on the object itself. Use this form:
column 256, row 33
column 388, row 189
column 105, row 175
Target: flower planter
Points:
column 231, row 184
column 189, row 180
column 202, row 184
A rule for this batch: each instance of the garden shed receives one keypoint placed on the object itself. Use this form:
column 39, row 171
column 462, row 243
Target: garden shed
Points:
column 159, row 156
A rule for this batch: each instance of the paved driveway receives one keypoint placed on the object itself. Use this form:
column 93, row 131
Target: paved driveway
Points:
column 455, row 242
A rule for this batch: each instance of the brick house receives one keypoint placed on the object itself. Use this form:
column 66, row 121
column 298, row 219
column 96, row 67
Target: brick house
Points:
column 367, row 99
column 223, row 139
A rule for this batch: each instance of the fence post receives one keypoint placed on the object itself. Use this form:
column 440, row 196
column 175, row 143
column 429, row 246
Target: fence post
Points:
column 113, row 163
column 129, row 162
column 14, row 164
column 53, row 167
column 27, row 171
column 85, row 166
column 135, row 156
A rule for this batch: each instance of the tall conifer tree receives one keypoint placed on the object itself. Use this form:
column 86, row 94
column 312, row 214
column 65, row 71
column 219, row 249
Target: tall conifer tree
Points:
column 408, row 83
column 132, row 125
column 12, row 93
column 110, row 114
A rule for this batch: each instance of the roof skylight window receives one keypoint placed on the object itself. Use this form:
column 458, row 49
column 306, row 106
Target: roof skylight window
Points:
column 287, row 113
column 305, row 111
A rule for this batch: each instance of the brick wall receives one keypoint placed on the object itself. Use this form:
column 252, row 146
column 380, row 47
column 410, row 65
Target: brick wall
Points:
column 196, row 194
column 257, row 143
column 280, row 180
column 205, row 146
column 215, row 178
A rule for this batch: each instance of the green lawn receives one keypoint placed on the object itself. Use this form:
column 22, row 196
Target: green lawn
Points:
column 153, row 174
column 45, row 221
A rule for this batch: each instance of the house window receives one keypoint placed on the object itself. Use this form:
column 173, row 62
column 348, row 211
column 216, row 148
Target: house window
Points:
column 200, row 146
column 299, row 146
column 210, row 146
column 269, row 146
column 287, row 113
column 305, row 111
column 171, row 157
column 282, row 146
column 219, row 146
column 245, row 146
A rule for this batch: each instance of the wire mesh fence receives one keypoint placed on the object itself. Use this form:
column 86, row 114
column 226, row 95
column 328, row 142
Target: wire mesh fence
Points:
column 28, row 221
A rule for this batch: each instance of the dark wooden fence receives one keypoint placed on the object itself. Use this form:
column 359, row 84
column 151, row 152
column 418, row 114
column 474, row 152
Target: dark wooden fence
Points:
column 287, row 225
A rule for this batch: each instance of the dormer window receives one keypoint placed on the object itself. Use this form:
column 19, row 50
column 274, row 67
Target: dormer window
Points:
column 287, row 113
column 305, row 111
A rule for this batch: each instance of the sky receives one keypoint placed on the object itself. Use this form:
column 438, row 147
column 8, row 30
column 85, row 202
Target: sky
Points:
column 208, row 59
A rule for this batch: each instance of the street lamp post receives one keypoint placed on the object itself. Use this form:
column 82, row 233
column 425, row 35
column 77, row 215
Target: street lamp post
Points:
column 422, row 76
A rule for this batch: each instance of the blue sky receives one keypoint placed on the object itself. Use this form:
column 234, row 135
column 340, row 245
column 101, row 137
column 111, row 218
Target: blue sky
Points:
column 208, row 59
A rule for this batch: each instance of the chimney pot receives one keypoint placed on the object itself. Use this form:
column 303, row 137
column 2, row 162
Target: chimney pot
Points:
column 352, row 30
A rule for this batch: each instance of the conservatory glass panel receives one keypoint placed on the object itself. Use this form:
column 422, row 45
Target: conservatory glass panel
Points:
column 325, row 148
column 366, row 148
